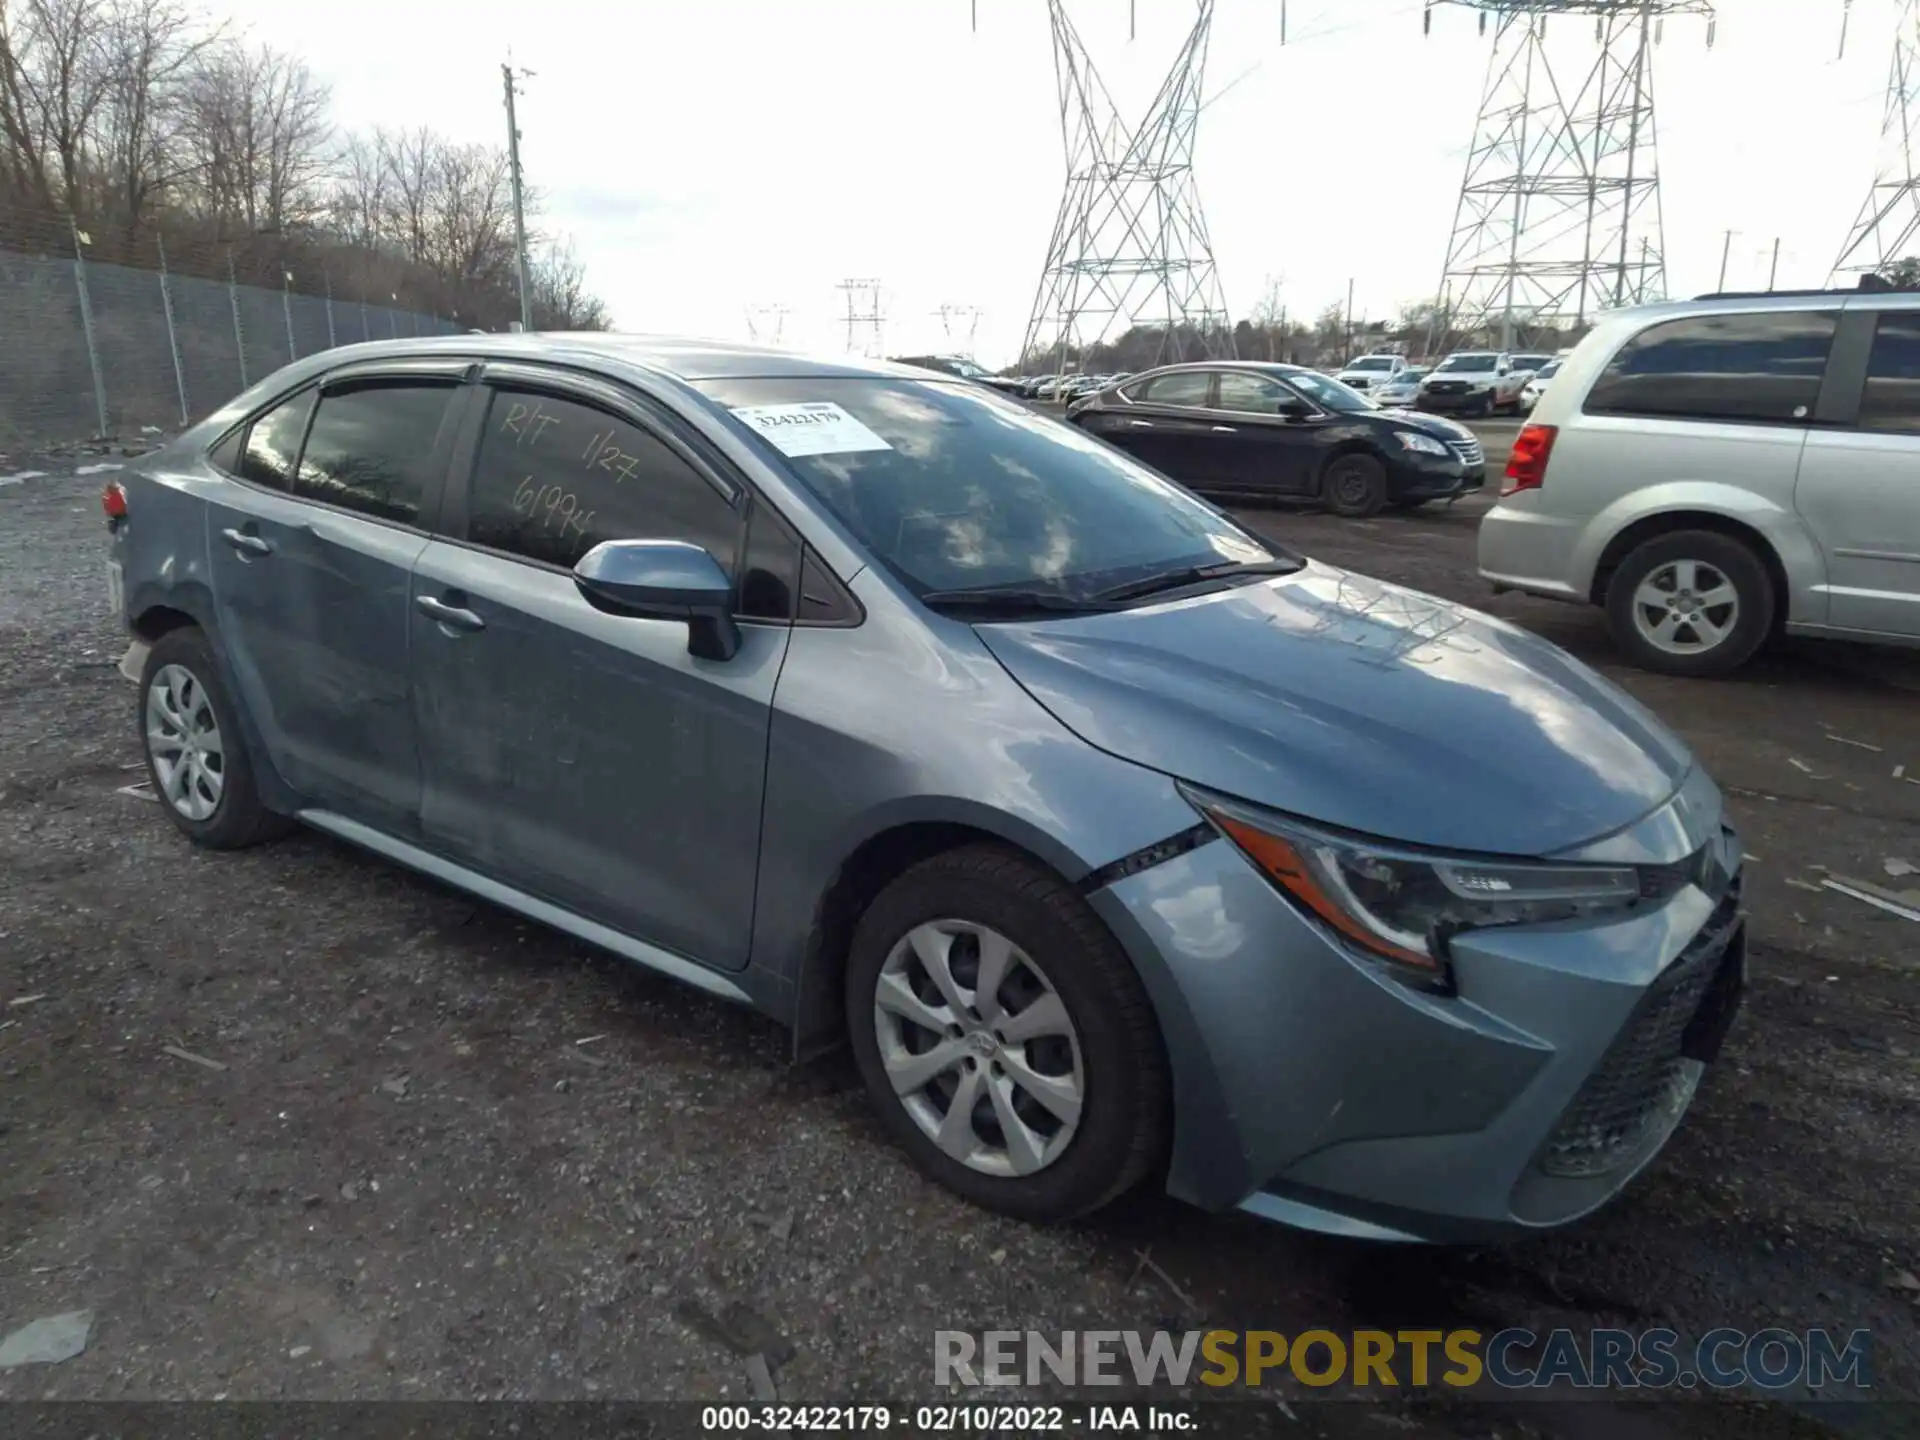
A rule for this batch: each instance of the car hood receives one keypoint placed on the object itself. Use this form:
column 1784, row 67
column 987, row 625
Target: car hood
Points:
column 1359, row 704
column 1432, row 424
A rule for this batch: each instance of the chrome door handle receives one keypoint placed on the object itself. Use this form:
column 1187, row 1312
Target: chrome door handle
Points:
column 1141, row 424
column 245, row 543
column 451, row 616
column 1225, row 430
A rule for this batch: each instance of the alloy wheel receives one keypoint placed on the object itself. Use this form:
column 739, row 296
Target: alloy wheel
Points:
column 1685, row 607
column 183, row 739
column 979, row 1047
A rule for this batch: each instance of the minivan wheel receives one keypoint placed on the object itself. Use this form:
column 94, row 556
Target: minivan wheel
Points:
column 196, row 756
column 1694, row 602
column 1355, row 486
column 1005, row 1037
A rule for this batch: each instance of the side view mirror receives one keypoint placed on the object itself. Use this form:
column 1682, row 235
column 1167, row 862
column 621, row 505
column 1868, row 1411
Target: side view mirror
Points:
column 663, row 580
column 1293, row 409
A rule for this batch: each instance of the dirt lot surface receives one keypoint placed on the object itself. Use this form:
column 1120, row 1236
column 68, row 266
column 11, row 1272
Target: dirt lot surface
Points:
column 448, row 1154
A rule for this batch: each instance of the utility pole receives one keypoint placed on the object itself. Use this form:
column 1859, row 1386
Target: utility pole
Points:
column 1349, row 355
column 507, row 74
column 1773, row 270
column 1726, row 249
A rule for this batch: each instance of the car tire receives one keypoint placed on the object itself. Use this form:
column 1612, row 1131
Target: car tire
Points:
column 1101, row 1058
column 1355, row 486
column 1670, row 575
column 206, row 781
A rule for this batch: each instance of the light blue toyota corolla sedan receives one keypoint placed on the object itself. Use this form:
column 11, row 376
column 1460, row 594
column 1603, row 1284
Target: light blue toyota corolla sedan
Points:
column 1122, row 846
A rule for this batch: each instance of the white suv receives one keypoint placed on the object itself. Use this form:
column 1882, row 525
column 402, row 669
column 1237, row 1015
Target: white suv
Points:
column 1714, row 472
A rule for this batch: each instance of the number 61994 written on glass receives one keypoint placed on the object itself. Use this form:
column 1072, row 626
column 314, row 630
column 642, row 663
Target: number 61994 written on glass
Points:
column 556, row 507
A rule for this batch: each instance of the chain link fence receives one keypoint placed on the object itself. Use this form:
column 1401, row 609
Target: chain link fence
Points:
column 95, row 349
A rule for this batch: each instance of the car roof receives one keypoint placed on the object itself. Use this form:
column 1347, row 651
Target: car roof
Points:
column 682, row 357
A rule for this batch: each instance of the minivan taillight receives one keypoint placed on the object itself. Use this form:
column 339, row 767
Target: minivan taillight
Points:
column 1527, row 465
column 113, row 500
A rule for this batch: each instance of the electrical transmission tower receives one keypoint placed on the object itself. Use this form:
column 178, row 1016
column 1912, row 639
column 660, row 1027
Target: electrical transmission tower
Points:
column 1130, row 245
column 866, row 318
column 765, row 323
column 1559, row 213
column 961, row 318
column 1889, row 223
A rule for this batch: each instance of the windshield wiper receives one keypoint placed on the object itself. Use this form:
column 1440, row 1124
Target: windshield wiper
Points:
column 1013, row 598
column 1194, row 575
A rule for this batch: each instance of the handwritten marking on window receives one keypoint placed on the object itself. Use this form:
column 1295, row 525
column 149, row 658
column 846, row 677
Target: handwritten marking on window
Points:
column 526, row 423
column 555, row 507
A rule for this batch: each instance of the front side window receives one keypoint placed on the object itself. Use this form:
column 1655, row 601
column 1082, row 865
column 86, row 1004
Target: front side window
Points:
column 1185, row 388
column 1764, row 366
column 372, row 445
column 951, row 487
column 1892, row 400
column 1250, row 394
column 273, row 443
column 555, row 477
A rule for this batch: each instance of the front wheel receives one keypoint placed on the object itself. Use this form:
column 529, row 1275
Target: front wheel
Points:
column 1355, row 486
column 1693, row 603
column 1006, row 1038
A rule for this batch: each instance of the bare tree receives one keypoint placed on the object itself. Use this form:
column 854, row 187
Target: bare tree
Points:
column 150, row 49
column 557, row 290
column 54, row 83
column 257, row 129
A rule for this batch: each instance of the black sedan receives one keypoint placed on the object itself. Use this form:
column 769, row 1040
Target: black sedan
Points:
column 1258, row 431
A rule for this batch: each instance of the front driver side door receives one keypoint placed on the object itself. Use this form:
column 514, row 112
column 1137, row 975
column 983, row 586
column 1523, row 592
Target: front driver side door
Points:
column 1260, row 451
column 584, row 757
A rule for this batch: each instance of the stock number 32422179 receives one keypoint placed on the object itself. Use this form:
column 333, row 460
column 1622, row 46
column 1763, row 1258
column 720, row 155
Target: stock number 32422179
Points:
column 922, row 1420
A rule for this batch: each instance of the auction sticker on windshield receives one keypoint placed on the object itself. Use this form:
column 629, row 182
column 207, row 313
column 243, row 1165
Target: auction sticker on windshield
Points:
column 815, row 427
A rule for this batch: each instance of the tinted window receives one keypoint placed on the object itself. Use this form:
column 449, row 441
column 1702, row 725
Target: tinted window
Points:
column 226, row 455
column 556, row 477
column 1183, row 387
column 951, row 487
column 273, row 444
column 1720, row 367
column 1892, row 401
column 1250, row 394
column 371, row 447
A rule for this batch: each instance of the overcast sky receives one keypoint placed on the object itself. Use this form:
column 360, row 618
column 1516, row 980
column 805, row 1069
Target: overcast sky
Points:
column 709, row 155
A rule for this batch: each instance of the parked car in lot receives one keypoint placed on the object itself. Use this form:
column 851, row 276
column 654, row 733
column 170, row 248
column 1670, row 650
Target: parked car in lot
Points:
column 1715, row 472
column 1402, row 390
column 1122, row 845
column 1536, row 385
column 1268, row 431
column 965, row 369
column 1531, row 364
column 1475, row 382
column 1367, row 371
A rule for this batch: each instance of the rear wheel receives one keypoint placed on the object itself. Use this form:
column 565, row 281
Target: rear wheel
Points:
column 1355, row 486
column 1694, row 602
column 196, row 755
column 1005, row 1037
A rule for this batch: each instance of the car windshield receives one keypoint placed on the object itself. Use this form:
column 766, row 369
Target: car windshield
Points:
column 952, row 487
column 968, row 370
column 1467, row 362
column 1328, row 393
column 1371, row 362
column 1531, row 362
column 1548, row 370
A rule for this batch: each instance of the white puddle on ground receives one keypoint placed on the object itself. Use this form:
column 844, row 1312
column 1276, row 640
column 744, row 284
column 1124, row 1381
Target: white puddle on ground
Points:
column 100, row 469
column 17, row 477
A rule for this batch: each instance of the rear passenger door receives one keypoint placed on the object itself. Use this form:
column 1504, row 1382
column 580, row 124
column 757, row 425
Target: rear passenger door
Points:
column 1166, row 424
column 1859, row 488
column 587, row 758
column 310, row 558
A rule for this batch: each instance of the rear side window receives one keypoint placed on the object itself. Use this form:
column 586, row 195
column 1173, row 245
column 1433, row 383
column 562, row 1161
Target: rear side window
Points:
column 273, row 444
column 1892, row 400
column 556, row 477
column 1185, row 387
column 1720, row 367
column 371, row 447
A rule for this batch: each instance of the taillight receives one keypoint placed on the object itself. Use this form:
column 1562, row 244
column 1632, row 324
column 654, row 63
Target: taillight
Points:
column 113, row 500
column 1527, row 465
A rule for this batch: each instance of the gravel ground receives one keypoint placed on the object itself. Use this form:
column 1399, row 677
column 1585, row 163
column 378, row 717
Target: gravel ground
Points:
column 449, row 1154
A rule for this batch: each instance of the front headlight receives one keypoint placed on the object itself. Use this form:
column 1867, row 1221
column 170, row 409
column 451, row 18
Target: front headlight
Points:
column 1424, row 444
column 1402, row 905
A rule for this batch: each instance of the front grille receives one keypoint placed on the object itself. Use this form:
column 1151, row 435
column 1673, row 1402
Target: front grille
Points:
column 1469, row 451
column 1644, row 1079
column 1447, row 387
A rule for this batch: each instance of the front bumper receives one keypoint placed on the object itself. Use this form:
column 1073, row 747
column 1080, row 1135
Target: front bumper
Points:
column 1310, row 1087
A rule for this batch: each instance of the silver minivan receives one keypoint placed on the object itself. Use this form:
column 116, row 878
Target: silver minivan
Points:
column 1716, row 472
